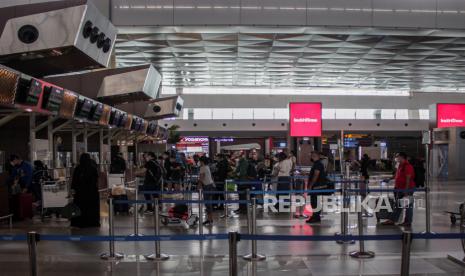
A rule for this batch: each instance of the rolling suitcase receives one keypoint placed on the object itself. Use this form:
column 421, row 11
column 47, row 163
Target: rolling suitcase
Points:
column 383, row 213
column 4, row 202
column 22, row 206
column 120, row 207
column 25, row 206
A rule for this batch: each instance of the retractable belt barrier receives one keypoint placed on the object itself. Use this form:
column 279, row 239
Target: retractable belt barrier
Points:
column 248, row 237
column 181, row 201
column 33, row 238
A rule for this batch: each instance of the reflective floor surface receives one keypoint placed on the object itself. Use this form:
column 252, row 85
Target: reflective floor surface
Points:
column 429, row 257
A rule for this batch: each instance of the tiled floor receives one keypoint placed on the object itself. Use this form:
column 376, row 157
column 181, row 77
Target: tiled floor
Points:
column 210, row 257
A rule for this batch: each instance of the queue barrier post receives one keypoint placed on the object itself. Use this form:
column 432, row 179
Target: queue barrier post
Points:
column 361, row 253
column 459, row 258
column 301, row 211
column 200, row 212
column 157, row 256
column 344, row 214
column 32, row 239
column 249, row 215
column 111, row 255
column 233, row 238
column 226, row 197
column 406, row 244
column 254, row 256
column 135, row 209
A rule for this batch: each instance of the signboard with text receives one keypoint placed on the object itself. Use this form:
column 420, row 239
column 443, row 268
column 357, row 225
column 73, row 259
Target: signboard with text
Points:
column 305, row 119
column 450, row 115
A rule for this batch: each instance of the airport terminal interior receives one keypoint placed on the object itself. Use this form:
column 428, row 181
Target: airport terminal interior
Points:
column 232, row 137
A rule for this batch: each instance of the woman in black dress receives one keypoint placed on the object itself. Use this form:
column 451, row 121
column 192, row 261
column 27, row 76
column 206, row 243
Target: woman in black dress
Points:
column 86, row 196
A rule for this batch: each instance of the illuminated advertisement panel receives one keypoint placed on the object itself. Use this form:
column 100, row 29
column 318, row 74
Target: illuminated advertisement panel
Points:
column 450, row 115
column 305, row 119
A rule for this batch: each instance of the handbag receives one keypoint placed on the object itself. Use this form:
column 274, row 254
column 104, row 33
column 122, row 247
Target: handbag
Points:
column 70, row 211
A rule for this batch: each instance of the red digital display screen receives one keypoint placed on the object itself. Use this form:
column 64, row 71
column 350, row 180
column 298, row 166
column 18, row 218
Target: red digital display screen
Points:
column 305, row 119
column 450, row 115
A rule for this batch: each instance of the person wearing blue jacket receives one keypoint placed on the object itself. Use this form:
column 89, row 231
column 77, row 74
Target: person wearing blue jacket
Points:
column 21, row 172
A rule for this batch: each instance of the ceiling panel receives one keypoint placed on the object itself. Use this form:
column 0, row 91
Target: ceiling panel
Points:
column 297, row 57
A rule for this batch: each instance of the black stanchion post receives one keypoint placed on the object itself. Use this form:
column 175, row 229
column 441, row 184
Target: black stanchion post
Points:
column 458, row 258
column 226, row 208
column 406, row 243
column 135, row 209
column 233, row 238
column 291, row 195
column 361, row 254
column 111, row 231
column 32, row 239
column 254, row 256
column 344, row 214
column 249, row 216
column 200, row 213
column 158, row 256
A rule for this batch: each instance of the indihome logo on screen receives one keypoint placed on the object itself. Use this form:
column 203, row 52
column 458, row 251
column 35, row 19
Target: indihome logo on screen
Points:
column 453, row 120
column 305, row 120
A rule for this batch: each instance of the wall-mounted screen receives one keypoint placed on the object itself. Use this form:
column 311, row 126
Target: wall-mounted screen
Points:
column 450, row 115
column 96, row 112
column 152, row 128
column 124, row 119
column 305, row 119
column 52, row 99
column 29, row 92
column 115, row 117
column 83, row 108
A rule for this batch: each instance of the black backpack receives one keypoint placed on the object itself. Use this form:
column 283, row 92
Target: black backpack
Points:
column 158, row 175
column 251, row 171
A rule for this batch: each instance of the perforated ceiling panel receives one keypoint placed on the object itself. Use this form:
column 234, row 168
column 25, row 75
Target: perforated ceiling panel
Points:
column 298, row 57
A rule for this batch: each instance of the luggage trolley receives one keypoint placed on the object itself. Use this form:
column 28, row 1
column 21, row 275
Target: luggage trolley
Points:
column 55, row 194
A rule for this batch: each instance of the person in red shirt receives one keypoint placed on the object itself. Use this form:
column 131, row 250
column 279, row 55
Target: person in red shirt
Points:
column 405, row 175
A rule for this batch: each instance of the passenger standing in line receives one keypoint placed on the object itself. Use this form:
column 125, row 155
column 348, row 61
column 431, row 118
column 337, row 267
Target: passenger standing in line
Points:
column 153, row 179
column 293, row 158
column 168, row 168
column 206, row 184
column 222, row 170
column 282, row 170
column 364, row 177
column 404, row 179
column 242, row 176
column 317, row 178
column 85, row 193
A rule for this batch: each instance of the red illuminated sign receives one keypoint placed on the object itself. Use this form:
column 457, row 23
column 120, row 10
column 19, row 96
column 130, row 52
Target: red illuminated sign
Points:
column 305, row 119
column 450, row 115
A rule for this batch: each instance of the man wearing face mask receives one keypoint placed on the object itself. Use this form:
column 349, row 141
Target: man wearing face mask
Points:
column 404, row 179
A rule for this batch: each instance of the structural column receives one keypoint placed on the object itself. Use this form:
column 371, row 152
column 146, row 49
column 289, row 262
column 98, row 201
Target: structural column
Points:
column 74, row 144
column 100, row 136
column 51, row 144
column 32, row 136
